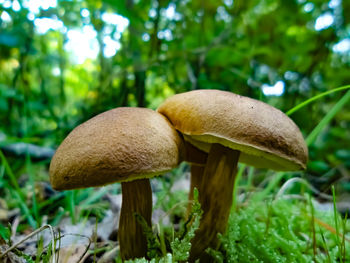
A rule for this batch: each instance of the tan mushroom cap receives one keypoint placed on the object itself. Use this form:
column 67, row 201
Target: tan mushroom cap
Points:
column 265, row 136
column 118, row 145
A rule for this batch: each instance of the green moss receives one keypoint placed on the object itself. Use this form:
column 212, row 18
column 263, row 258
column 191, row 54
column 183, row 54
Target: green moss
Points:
column 271, row 231
column 281, row 231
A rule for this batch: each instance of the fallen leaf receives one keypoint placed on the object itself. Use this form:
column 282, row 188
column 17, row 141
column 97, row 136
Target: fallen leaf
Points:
column 72, row 254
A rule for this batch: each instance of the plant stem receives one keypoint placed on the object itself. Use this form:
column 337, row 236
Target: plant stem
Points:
column 197, row 172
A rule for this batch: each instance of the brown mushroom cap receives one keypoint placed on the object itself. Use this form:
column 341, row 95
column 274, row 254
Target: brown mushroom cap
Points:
column 118, row 145
column 265, row 136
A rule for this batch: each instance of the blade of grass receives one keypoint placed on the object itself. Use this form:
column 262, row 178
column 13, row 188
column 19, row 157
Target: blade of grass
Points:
column 58, row 216
column 343, row 239
column 250, row 178
column 235, row 186
column 162, row 239
column 2, row 174
column 271, row 185
column 303, row 104
column 30, row 172
column 52, row 200
column 9, row 172
column 40, row 249
column 96, row 195
column 4, row 232
column 314, row 247
column 70, row 203
column 268, row 219
column 329, row 228
column 326, row 119
column 25, row 209
column 325, row 247
column 17, row 192
column 336, row 225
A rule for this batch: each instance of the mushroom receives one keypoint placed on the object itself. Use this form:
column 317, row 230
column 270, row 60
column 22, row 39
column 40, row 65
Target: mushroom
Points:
column 127, row 145
column 231, row 128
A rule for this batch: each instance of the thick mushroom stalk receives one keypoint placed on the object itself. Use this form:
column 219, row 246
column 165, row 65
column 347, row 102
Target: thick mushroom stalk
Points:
column 215, row 197
column 136, row 198
column 197, row 159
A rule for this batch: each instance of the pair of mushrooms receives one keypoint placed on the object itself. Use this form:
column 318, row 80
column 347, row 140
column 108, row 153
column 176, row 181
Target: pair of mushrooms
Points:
column 131, row 145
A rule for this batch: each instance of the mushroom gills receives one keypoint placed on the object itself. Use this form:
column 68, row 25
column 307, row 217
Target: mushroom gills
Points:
column 250, row 155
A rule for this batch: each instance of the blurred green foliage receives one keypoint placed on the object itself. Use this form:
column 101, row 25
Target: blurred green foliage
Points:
column 170, row 47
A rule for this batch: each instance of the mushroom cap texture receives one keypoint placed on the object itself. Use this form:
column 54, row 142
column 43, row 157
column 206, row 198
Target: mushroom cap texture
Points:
column 266, row 137
column 118, row 145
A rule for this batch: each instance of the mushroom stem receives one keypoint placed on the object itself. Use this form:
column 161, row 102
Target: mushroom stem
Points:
column 215, row 197
column 194, row 156
column 136, row 198
column 197, row 159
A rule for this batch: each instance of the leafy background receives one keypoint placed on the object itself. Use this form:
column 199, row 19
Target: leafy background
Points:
column 144, row 51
